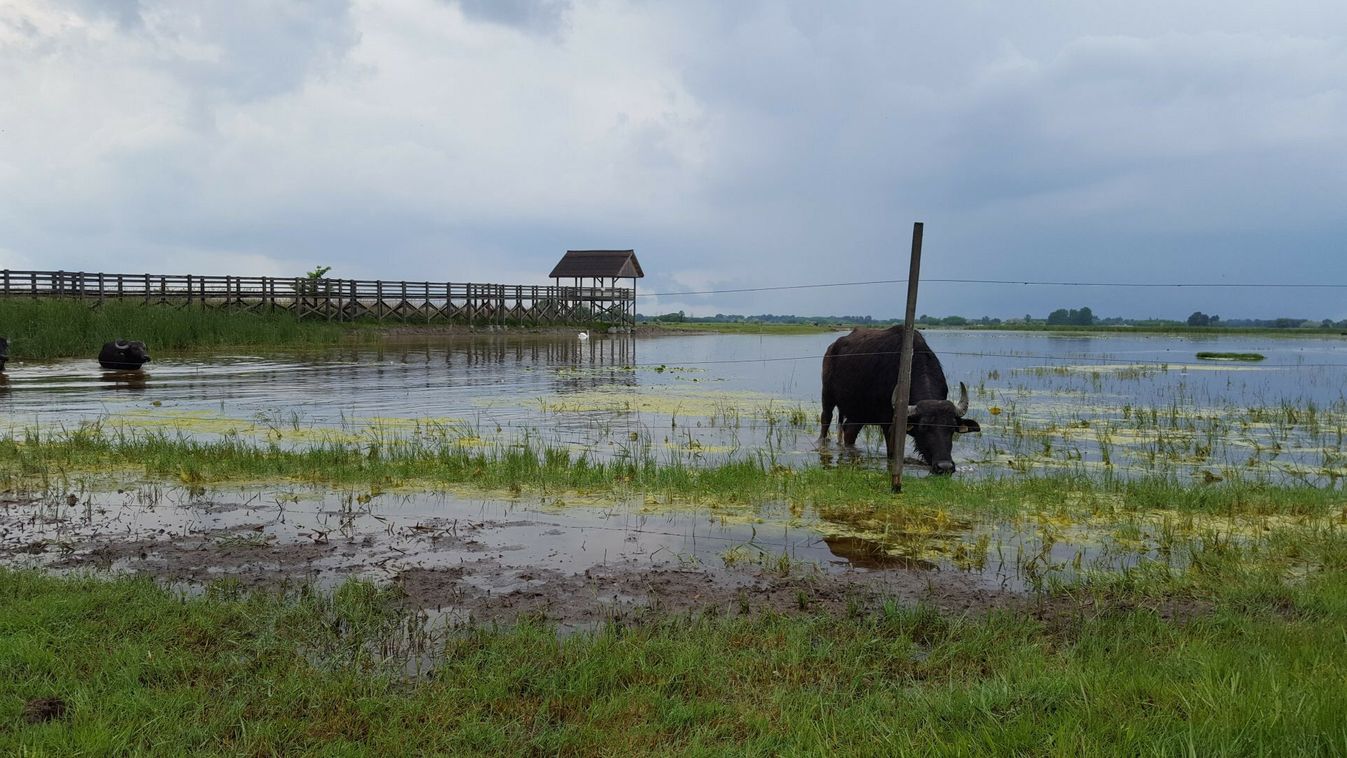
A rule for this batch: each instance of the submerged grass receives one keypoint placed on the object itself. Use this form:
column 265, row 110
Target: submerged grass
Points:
column 1250, row 357
column 1231, row 661
column 52, row 460
column 42, row 329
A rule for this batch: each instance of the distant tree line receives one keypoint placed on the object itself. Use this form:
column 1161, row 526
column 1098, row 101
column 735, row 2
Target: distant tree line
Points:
column 926, row 320
column 1072, row 317
column 1083, row 316
column 681, row 317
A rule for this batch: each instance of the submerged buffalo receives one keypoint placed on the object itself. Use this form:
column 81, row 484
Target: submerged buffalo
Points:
column 4, row 352
column 123, row 355
column 859, row 372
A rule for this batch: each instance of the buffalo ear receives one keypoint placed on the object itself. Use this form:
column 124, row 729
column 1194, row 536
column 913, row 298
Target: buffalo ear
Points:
column 968, row 426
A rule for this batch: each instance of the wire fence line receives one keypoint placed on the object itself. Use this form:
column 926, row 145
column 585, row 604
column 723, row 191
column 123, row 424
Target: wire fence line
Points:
column 1013, row 282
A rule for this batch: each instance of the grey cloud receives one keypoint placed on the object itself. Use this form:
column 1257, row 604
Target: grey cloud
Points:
column 548, row 17
column 127, row 13
column 265, row 49
column 766, row 143
column 235, row 51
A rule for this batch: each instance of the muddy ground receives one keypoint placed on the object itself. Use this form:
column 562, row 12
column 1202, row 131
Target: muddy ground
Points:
column 482, row 560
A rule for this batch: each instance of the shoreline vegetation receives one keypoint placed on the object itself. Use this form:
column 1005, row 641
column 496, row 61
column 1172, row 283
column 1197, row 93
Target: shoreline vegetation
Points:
column 51, row 329
column 47, row 329
column 438, row 456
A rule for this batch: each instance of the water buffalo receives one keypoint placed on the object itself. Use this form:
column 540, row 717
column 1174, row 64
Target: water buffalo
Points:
column 123, row 356
column 859, row 372
column 4, row 352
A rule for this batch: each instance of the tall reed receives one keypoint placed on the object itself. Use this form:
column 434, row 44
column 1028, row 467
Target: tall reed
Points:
column 42, row 329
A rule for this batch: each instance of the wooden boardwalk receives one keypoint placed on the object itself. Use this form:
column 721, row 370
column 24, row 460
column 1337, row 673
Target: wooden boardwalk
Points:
column 423, row 302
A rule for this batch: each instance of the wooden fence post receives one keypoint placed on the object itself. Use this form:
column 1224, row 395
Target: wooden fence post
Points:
column 902, row 392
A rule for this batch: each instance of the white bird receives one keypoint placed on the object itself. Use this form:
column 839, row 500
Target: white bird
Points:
column 583, row 335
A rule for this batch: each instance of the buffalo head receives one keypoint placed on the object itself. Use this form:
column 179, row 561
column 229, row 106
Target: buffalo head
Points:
column 933, row 424
column 124, row 355
column 4, row 352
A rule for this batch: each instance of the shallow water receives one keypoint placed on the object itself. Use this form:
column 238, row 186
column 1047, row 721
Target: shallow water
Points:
column 276, row 535
column 1121, row 403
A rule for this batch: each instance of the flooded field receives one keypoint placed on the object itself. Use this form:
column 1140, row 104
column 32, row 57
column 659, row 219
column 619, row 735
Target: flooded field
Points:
column 1110, row 404
column 1110, row 409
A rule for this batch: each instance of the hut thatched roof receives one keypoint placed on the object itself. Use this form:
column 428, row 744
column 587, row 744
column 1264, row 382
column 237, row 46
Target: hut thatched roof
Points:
column 595, row 263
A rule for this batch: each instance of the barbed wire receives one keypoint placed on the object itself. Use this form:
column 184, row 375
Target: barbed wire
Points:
column 1013, row 282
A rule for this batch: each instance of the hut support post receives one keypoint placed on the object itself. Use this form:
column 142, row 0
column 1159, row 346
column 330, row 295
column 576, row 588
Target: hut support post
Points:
column 903, row 390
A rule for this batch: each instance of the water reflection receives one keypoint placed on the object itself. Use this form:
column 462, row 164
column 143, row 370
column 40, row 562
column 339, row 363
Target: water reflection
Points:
column 831, row 453
column 1120, row 403
column 125, row 380
column 271, row 535
column 873, row 554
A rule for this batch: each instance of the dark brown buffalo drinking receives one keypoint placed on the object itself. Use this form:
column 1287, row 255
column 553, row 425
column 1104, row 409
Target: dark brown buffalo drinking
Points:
column 859, row 373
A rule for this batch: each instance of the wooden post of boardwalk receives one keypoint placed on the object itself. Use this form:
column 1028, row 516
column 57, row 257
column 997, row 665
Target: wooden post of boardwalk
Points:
column 903, row 390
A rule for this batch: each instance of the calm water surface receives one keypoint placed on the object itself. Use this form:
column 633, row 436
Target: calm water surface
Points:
column 1123, row 402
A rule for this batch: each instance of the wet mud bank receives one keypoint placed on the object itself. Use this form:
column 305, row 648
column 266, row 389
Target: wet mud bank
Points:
column 474, row 561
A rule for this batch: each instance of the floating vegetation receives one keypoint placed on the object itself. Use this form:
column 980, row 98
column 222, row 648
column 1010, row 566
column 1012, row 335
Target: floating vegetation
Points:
column 1251, row 357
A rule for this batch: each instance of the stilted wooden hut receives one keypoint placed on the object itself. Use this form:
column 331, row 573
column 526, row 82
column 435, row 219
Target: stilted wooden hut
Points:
column 595, row 283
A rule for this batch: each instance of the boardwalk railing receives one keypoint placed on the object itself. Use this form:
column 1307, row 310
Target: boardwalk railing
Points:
column 338, row 299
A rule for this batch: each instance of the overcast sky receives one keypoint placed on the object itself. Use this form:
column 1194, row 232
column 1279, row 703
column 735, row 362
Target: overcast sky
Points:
column 732, row 144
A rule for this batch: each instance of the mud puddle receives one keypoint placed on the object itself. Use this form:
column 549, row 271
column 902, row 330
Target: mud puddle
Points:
column 499, row 560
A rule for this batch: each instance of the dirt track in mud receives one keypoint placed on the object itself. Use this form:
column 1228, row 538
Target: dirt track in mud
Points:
column 483, row 560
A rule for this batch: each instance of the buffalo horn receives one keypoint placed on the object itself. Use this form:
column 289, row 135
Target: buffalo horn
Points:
column 962, row 406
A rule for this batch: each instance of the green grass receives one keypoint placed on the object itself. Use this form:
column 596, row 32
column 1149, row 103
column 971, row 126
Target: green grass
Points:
column 43, row 329
column 434, row 458
column 1208, row 356
column 1249, row 664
